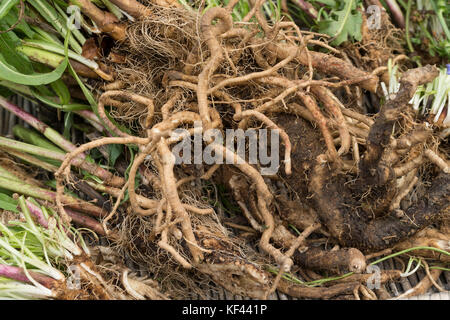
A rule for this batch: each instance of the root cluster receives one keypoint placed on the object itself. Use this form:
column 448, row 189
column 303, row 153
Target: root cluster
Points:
column 344, row 174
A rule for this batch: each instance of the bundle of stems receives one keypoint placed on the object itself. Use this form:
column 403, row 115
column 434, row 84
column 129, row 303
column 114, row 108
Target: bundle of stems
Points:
column 41, row 257
column 81, row 212
column 37, row 252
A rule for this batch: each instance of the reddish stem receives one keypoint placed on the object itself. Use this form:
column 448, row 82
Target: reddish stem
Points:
column 86, row 221
column 37, row 212
column 18, row 274
column 396, row 12
column 307, row 8
column 38, row 125
column 60, row 141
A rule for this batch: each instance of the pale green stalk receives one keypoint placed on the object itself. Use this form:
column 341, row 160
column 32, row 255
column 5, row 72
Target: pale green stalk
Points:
column 58, row 49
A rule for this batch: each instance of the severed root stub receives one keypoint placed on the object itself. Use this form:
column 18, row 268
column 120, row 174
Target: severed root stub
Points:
column 337, row 261
column 294, row 290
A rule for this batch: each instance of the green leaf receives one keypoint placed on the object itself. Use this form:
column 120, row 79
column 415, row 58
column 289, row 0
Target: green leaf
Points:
column 68, row 122
column 22, row 26
column 45, row 36
column 51, row 15
column 330, row 3
column 75, row 32
column 59, row 87
column 88, row 176
column 8, row 206
column 88, row 94
column 9, row 72
column 6, row 5
column 8, row 43
column 61, row 3
column 63, row 107
column 61, row 90
column 343, row 24
column 8, row 199
column 8, row 203
column 41, row 93
column 43, row 90
column 114, row 151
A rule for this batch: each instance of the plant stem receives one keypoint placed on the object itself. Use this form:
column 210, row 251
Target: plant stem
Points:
column 39, row 44
column 27, row 189
column 30, row 93
column 37, row 212
column 93, row 120
column 32, row 137
column 60, row 141
column 86, row 221
column 307, row 8
column 29, row 148
column 408, row 16
column 396, row 13
column 48, row 58
column 6, row 174
column 48, row 132
column 16, row 273
column 439, row 10
column 44, row 194
column 32, row 160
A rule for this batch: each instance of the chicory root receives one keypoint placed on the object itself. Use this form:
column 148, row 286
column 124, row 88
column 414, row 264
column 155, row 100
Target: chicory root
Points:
column 423, row 286
column 336, row 261
column 295, row 290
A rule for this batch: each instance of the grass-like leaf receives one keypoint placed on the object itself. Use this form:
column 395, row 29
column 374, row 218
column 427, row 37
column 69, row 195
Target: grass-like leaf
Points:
column 6, row 5
column 12, row 74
